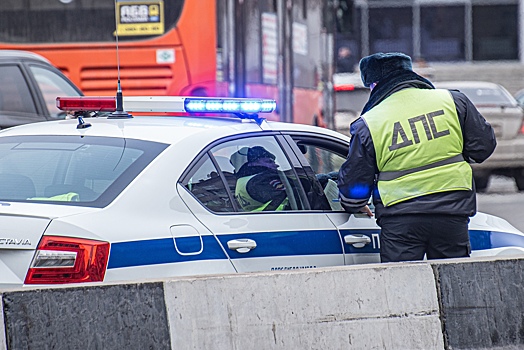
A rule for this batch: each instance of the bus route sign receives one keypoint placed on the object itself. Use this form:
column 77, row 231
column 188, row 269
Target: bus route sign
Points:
column 140, row 18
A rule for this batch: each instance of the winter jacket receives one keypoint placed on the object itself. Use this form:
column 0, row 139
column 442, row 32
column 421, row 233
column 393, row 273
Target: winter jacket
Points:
column 357, row 176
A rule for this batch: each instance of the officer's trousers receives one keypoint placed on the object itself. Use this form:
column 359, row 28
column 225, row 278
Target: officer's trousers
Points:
column 410, row 237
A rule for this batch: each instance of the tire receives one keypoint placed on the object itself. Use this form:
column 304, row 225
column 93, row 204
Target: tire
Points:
column 481, row 183
column 519, row 180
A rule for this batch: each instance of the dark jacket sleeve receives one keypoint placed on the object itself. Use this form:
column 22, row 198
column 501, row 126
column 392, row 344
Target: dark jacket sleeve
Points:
column 479, row 137
column 266, row 186
column 357, row 174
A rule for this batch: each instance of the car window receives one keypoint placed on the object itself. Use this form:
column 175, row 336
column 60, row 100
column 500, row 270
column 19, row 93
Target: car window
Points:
column 257, row 173
column 520, row 98
column 205, row 183
column 480, row 96
column 264, row 179
column 15, row 96
column 52, row 85
column 89, row 171
column 324, row 159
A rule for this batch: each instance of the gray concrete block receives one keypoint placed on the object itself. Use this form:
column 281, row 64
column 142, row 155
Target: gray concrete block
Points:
column 388, row 306
column 131, row 316
column 482, row 303
column 3, row 343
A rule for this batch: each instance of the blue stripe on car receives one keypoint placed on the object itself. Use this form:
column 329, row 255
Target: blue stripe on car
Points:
column 319, row 242
column 289, row 243
column 373, row 247
column 161, row 251
column 481, row 240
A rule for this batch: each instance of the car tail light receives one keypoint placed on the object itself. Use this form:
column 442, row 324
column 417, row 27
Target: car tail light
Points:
column 344, row 87
column 68, row 260
column 522, row 128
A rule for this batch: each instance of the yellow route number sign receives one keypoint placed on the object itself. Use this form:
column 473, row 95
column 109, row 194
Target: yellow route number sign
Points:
column 140, row 17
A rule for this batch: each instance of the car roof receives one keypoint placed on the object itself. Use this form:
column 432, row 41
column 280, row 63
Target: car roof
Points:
column 19, row 54
column 466, row 84
column 164, row 129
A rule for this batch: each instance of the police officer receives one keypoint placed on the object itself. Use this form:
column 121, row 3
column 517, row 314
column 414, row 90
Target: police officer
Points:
column 410, row 149
column 259, row 186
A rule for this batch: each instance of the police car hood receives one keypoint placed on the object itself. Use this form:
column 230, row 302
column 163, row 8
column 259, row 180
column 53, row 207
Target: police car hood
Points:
column 23, row 224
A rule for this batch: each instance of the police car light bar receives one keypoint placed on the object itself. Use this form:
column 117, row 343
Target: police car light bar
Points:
column 86, row 104
column 168, row 104
column 344, row 87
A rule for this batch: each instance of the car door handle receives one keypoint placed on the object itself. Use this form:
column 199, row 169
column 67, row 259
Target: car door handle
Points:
column 358, row 241
column 242, row 245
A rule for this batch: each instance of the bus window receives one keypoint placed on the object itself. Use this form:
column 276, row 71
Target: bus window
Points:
column 53, row 21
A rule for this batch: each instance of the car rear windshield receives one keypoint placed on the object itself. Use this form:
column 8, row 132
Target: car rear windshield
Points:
column 489, row 96
column 71, row 170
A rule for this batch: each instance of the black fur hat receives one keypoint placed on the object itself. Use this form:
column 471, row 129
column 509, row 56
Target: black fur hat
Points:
column 257, row 152
column 375, row 67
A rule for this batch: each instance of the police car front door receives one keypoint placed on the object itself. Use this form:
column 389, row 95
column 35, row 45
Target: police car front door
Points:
column 358, row 233
column 258, row 235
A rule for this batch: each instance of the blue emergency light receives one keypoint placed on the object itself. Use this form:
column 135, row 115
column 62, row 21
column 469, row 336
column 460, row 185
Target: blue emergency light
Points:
column 229, row 105
column 177, row 104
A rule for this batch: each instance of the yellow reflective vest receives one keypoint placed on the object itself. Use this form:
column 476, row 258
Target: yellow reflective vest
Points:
column 418, row 144
column 247, row 202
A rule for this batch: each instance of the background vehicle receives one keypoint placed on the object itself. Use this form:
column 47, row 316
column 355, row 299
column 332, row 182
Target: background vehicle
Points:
column 29, row 85
column 506, row 117
column 183, row 47
column 147, row 197
column 519, row 96
column 350, row 98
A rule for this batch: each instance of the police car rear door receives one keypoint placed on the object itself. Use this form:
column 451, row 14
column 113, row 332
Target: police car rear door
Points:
column 323, row 155
column 287, row 236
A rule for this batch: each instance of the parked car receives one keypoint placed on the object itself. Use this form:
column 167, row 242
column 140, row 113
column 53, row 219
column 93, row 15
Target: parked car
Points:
column 350, row 98
column 29, row 85
column 506, row 117
column 124, row 198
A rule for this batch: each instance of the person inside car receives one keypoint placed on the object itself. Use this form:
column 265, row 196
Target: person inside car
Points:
column 259, row 186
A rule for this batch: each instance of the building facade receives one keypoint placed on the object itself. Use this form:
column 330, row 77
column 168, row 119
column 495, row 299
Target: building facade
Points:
column 458, row 39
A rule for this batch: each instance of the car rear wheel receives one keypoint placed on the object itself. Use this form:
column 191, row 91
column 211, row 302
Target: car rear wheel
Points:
column 481, row 183
column 519, row 180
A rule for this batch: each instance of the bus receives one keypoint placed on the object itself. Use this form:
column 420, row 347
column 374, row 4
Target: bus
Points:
column 268, row 49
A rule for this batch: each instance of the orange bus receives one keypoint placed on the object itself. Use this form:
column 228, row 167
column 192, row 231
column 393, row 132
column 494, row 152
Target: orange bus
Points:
column 235, row 48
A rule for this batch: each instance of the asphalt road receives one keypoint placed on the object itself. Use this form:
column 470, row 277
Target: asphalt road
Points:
column 503, row 199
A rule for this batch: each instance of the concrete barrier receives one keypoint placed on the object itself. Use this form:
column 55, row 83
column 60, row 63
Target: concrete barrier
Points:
column 2, row 329
column 453, row 304
column 342, row 308
column 482, row 303
column 125, row 316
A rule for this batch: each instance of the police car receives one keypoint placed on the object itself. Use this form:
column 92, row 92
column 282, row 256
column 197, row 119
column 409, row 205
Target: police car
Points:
column 123, row 197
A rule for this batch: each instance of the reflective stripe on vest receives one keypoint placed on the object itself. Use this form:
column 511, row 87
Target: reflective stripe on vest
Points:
column 247, row 202
column 418, row 144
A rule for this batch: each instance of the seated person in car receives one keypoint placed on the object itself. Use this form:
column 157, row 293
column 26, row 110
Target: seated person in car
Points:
column 259, row 186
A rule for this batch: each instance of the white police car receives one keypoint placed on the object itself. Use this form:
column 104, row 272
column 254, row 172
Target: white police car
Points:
column 119, row 198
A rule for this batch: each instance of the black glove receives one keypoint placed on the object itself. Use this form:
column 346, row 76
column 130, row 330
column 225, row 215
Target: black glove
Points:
column 323, row 178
